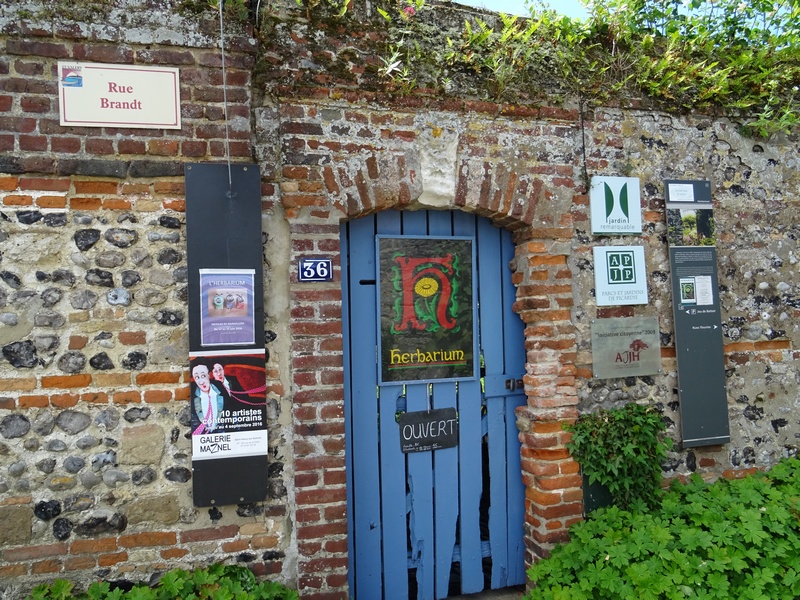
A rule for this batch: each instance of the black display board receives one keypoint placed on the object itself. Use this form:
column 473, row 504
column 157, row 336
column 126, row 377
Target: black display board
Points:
column 697, row 314
column 226, row 333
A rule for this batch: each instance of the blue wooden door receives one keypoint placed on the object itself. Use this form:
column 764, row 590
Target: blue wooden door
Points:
column 429, row 525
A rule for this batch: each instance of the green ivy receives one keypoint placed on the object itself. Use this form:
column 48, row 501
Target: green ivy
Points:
column 217, row 582
column 731, row 539
column 622, row 449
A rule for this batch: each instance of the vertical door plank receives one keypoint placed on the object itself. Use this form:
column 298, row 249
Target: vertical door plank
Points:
column 393, row 498
column 445, row 482
column 420, row 465
column 420, row 484
column 439, row 223
column 515, row 495
column 470, row 464
column 514, row 350
column 415, row 223
column 393, row 466
column 445, row 462
column 491, row 319
column 365, row 443
column 348, row 406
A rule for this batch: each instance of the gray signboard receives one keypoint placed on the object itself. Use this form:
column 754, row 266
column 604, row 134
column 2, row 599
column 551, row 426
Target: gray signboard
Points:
column 696, row 308
column 625, row 347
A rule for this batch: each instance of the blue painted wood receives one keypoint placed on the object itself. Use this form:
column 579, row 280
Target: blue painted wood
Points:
column 445, row 486
column 470, row 460
column 365, row 443
column 445, row 476
column 348, row 406
column 420, row 467
column 393, row 498
column 415, row 223
column 491, row 322
column 393, row 467
column 440, row 223
column 420, row 485
column 513, row 332
column 515, row 495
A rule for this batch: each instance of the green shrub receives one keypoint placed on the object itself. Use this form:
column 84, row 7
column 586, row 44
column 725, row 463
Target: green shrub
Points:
column 730, row 539
column 217, row 582
column 622, row 449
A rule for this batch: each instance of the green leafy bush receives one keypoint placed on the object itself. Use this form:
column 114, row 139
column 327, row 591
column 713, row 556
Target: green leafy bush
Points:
column 730, row 539
column 217, row 582
column 622, row 449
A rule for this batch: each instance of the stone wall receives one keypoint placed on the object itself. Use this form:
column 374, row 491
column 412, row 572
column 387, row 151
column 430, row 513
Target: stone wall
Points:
column 95, row 465
column 95, row 456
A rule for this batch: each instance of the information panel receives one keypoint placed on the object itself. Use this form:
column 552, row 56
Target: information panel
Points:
column 696, row 309
column 226, row 334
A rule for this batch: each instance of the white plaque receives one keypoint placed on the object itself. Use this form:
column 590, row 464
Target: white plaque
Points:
column 681, row 192
column 616, row 205
column 101, row 95
column 619, row 275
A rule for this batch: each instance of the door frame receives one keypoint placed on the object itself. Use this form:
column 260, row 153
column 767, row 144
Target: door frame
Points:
column 504, row 548
column 360, row 184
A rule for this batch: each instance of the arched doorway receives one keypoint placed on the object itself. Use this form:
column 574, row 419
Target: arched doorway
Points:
column 431, row 524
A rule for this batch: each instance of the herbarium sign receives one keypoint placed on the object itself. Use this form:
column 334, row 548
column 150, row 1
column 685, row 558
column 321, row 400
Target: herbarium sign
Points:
column 427, row 320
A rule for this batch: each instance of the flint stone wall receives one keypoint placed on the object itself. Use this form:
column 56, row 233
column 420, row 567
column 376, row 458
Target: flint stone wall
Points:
column 95, row 451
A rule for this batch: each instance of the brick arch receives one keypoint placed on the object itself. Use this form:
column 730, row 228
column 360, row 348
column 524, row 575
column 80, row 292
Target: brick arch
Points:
column 352, row 180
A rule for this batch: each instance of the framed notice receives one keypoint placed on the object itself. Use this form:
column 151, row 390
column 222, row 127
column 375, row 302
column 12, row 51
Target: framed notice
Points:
column 620, row 275
column 616, row 205
column 226, row 305
column 622, row 347
column 427, row 314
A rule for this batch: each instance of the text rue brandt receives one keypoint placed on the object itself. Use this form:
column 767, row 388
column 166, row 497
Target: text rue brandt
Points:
column 115, row 88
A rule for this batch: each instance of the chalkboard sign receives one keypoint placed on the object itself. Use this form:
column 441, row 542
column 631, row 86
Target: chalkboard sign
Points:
column 428, row 430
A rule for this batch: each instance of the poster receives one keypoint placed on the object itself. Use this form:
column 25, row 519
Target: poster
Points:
column 427, row 318
column 230, row 462
column 690, row 215
column 227, row 307
column 228, row 404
